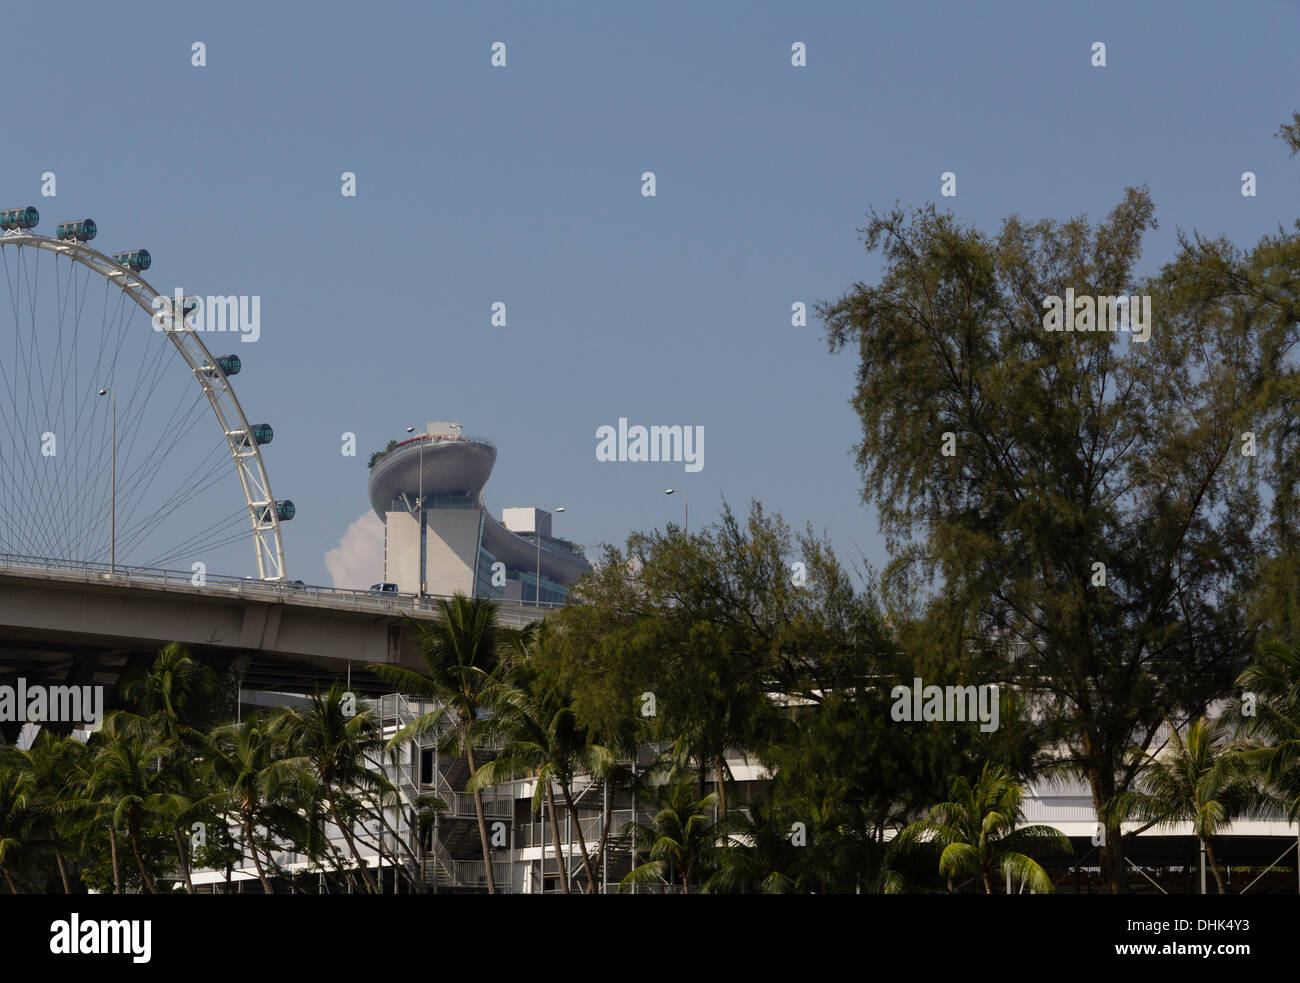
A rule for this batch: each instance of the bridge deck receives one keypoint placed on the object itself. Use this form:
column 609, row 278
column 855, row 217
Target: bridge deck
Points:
column 63, row 620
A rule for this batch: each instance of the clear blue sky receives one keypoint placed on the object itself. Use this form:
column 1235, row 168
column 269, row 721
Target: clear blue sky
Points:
column 522, row 184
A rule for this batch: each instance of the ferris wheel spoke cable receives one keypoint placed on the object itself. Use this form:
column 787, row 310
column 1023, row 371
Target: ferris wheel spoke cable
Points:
column 94, row 538
column 82, row 408
column 59, row 510
column 110, row 478
column 132, row 415
column 21, row 484
column 56, row 510
column 131, row 492
column 20, row 542
column 82, row 434
column 206, row 536
column 188, row 488
column 210, row 534
column 61, row 421
column 132, row 421
column 163, row 561
column 94, row 433
column 33, row 352
column 39, row 508
column 98, row 447
column 22, row 493
column 43, row 504
column 204, row 539
column 136, row 417
column 16, row 522
column 216, row 460
column 201, row 543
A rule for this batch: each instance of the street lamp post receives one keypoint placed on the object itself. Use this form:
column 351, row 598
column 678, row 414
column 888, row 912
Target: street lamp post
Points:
column 537, row 534
column 112, row 522
column 419, row 507
column 686, row 512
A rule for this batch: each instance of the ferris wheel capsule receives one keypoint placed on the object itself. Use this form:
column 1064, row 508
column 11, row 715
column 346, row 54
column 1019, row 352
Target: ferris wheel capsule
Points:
column 262, row 433
column 229, row 365
column 12, row 219
column 174, row 315
column 82, row 230
column 135, row 259
column 284, row 511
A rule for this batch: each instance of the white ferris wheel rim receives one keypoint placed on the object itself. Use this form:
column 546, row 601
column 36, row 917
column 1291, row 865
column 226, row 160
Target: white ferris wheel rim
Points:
column 244, row 449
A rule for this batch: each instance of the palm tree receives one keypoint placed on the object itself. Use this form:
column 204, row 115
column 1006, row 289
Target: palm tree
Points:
column 1272, row 725
column 51, row 763
column 758, row 855
column 980, row 833
column 1196, row 780
column 846, row 854
column 544, row 739
column 180, row 810
column 124, row 780
column 376, row 802
column 167, row 695
column 94, row 805
column 463, row 649
column 240, row 756
column 334, row 748
column 680, row 840
column 16, row 795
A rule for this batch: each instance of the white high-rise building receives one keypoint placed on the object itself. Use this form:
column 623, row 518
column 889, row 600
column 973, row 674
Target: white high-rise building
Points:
column 439, row 537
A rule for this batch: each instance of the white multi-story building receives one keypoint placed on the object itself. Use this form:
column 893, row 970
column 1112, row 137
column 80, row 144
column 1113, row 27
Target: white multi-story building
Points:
column 440, row 538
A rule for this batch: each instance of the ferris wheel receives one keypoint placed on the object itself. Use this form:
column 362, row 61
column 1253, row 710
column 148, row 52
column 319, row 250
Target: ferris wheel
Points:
column 141, row 478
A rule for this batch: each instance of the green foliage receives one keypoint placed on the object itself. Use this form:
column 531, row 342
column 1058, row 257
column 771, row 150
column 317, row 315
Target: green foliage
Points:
column 1195, row 780
column 704, row 625
column 1270, row 726
column 466, row 654
column 117, row 813
column 331, row 760
column 1290, row 134
column 680, row 842
column 1072, row 449
column 979, row 834
column 375, row 457
column 543, row 739
column 756, row 855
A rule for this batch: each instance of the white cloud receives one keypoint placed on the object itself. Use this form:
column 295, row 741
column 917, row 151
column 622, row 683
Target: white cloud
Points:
column 358, row 561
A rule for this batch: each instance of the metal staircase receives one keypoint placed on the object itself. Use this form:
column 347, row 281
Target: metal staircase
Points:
column 455, row 861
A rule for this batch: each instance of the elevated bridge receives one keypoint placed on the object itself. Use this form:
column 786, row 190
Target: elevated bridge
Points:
column 83, row 624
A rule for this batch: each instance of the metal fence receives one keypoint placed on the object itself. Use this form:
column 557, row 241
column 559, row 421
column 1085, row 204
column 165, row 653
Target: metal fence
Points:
column 470, row 873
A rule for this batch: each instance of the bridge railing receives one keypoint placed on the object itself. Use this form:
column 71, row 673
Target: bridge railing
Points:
column 251, row 587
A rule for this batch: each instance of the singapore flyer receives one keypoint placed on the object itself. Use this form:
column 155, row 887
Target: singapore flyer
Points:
column 122, row 442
